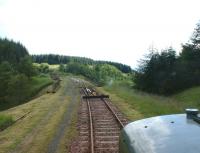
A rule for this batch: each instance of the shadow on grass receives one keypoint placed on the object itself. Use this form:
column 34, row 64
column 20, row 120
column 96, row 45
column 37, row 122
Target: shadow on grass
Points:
column 37, row 85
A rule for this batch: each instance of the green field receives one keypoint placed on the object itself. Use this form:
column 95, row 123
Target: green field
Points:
column 136, row 104
column 5, row 121
column 51, row 66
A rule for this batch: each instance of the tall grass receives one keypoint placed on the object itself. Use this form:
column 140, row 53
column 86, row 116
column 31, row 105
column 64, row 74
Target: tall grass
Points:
column 147, row 105
column 5, row 121
column 189, row 97
column 38, row 83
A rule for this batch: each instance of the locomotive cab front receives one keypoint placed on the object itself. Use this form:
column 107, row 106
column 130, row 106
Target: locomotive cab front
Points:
column 178, row 133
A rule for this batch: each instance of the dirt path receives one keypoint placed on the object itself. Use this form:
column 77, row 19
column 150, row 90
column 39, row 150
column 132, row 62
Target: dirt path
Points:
column 73, row 93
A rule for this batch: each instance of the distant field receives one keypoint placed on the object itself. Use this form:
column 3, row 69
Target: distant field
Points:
column 137, row 105
column 51, row 67
column 54, row 67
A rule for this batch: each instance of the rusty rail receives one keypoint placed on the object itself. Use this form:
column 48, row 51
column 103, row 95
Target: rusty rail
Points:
column 90, row 120
column 87, row 98
column 113, row 112
column 91, row 128
column 108, row 106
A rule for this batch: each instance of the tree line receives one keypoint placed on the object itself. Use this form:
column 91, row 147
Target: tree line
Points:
column 61, row 59
column 166, row 72
column 100, row 74
column 16, row 70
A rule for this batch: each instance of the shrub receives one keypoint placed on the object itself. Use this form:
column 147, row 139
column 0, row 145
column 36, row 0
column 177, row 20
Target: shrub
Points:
column 5, row 121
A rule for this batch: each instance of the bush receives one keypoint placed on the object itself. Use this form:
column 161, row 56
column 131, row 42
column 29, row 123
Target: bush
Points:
column 5, row 121
column 100, row 74
column 18, row 88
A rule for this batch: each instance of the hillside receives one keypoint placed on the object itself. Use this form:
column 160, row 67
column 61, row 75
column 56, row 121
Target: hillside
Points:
column 189, row 97
column 20, row 80
column 136, row 104
column 99, row 74
column 53, row 59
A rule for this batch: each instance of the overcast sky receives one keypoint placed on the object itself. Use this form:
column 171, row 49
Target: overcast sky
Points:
column 116, row 30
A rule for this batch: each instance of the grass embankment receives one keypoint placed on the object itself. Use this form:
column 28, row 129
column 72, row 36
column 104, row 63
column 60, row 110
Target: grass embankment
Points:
column 5, row 121
column 189, row 97
column 34, row 86
column 38, row 83
column 35, row 131
column 136, row 104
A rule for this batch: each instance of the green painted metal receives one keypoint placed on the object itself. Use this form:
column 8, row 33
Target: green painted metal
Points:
column 161, row 134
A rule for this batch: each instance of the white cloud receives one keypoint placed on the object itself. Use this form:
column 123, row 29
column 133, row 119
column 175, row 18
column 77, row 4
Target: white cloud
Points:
column 117, row 30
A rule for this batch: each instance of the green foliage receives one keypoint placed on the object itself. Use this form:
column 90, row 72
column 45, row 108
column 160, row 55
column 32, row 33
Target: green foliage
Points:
column 26, row 67
column 100, row 74
column 157, row 72
column 16, row 74
column 5, row 75
column 18, row 87
column 196, row 36
column 60, row 59
column 109, row 71
column 5, row 121
column 61, row 67
column 21, row 89
column 43, row 68
column 166, row 73
column 106, row 73
column 37, row 83
column 11, row 51
column 122, row 67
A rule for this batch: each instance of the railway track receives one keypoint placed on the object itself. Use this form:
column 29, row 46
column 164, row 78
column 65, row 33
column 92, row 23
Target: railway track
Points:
column 100, row 123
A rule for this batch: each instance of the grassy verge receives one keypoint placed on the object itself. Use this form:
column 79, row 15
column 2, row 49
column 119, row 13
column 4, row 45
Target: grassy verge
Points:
column 35, row 85
column 189, row 97
column 38, row 83
column 34, row 132
column 137, row 105
column 5, row 121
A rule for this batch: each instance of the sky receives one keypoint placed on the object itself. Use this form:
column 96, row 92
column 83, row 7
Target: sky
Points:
column 114, row 30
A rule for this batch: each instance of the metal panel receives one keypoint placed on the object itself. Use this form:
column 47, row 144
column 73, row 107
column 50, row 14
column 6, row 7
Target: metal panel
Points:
column 162, row 134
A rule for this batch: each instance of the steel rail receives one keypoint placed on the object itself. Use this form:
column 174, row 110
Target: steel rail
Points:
column 91, row 125
column 91, row 128
column 115, row 115
column 91, row 121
